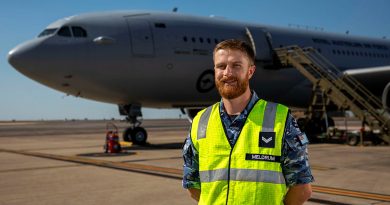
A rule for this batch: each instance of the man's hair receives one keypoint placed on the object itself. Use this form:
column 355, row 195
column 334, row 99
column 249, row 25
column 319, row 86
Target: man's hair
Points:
column 235, row 44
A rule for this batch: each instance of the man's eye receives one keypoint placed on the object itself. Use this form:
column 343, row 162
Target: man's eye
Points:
column 220, row 66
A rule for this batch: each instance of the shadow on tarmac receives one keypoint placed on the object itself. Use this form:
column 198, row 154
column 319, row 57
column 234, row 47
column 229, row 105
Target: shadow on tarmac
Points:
column 155, row 146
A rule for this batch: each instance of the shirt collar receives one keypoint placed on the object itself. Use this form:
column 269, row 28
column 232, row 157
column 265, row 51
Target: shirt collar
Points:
column 248, row 107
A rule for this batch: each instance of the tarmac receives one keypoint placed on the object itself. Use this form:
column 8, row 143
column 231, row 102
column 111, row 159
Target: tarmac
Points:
column 63, row 162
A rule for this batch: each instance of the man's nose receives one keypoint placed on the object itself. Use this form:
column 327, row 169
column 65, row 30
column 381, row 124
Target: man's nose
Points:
column 228, row 71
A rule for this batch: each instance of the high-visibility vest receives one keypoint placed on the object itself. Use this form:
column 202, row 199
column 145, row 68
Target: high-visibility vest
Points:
column 248, row 172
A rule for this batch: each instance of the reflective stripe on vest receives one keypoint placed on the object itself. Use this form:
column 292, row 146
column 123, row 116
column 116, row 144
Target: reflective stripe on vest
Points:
column 269, row 117
column 248, row 175
column 204, row 119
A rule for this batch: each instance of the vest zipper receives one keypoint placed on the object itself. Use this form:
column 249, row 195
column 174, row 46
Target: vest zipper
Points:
column 232, row 146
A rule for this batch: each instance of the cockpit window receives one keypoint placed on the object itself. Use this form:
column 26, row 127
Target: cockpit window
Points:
column 64, row 31
column 79, row 32
column 47, row 32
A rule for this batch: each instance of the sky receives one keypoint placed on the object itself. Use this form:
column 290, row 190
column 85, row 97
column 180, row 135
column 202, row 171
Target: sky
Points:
column 24, row 99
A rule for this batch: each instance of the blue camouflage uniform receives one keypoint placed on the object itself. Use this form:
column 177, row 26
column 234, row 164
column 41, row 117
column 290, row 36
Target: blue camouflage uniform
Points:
column 294, row 159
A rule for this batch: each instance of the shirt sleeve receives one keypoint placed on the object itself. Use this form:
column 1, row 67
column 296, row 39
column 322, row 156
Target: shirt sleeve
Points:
column 295, row 161
column 191, row 165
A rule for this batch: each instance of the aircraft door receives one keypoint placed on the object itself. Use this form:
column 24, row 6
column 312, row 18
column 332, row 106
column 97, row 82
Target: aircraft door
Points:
column 261, row 40
column 141, row 37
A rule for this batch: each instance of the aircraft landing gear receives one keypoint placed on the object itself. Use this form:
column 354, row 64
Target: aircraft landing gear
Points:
column 135, row 133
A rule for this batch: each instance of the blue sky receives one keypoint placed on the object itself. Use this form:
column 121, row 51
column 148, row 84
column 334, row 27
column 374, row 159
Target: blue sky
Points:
column 21, row 20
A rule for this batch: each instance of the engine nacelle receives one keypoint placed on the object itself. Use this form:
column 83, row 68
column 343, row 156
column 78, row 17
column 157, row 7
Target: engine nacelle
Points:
column 386, row 97
column 191, row 112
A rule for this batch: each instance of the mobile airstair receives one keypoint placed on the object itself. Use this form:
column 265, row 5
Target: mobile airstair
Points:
column 330, row 84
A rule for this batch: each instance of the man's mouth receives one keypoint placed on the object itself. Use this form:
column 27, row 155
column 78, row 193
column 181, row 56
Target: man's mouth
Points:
column 230, row 82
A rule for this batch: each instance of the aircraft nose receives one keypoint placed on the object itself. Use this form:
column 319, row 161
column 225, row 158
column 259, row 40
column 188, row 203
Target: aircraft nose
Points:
column 14, row 57
column 22, row 55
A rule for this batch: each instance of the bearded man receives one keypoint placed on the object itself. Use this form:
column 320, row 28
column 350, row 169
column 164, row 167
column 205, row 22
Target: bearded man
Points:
column 243, row 149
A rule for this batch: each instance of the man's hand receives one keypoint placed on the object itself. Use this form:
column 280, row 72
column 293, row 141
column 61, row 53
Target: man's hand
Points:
column 195, row 193
column 298, row 194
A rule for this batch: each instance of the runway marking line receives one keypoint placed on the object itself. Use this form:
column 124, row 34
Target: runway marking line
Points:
column 177, row 173
column 351, row 193
column 322, row 168
column 38, row 168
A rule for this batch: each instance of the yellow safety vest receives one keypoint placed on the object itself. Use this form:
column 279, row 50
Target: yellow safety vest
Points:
column 250, row 171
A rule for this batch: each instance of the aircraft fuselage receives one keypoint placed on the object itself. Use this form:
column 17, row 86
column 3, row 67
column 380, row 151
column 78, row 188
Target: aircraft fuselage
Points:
column 164, row 60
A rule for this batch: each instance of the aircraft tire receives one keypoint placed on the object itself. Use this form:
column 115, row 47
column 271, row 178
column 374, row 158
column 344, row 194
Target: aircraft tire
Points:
column 139, row 136
column 127, row 134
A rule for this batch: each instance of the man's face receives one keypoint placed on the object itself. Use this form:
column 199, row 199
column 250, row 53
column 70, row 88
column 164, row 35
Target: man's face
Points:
column 232, row 72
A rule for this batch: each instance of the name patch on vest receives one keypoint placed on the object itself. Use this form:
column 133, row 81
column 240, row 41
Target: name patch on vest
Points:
column 267, row 139
column 262, row 157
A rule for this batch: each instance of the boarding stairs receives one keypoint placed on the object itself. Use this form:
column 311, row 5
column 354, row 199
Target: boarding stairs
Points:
column 330, row 84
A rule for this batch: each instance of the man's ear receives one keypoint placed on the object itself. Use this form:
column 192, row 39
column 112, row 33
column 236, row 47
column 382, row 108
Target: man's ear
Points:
column 251, row 71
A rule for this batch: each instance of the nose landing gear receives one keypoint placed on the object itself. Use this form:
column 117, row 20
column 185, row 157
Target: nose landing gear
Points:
column 135, row 133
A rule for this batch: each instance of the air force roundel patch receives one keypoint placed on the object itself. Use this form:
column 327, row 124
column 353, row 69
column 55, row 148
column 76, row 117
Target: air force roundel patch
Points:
column 267, row 139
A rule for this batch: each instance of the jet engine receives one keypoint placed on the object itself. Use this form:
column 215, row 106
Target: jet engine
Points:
column 386, row 97
column 191, row 112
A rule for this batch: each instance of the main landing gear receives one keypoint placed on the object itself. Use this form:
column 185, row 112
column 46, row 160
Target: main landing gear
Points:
column 135, row 133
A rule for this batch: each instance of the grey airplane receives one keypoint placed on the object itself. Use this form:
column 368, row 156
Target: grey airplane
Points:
column 164, row 60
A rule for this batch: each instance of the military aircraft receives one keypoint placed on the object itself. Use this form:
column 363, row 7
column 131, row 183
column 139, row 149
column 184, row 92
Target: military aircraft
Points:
column 164, row 60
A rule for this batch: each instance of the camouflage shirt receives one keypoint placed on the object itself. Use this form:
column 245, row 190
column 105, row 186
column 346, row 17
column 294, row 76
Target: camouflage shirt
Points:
column 294, row 159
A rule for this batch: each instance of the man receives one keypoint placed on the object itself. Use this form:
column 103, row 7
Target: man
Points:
column 244, row 150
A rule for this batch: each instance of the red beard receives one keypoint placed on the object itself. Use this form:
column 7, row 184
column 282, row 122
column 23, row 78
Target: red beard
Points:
column 229, row 91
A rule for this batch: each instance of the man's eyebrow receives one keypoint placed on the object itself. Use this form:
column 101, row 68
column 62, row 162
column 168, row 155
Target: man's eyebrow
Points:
column 220, row 64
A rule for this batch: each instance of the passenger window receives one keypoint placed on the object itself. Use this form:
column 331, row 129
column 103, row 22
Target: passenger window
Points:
column 79, row 32
column 160, row 25
column 64, row 31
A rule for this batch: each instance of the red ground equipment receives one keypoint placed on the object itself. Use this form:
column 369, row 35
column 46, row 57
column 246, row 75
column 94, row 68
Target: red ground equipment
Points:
column 112, row 144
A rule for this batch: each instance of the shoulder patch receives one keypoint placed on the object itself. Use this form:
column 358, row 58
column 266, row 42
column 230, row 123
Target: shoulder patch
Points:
column 302, row 139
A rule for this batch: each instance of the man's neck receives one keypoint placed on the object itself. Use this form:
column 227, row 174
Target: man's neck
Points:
column 237, row 105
